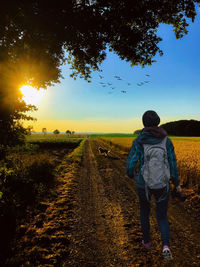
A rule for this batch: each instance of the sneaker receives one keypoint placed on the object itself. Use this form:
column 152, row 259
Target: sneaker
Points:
column 166, row 253
column 146, row 245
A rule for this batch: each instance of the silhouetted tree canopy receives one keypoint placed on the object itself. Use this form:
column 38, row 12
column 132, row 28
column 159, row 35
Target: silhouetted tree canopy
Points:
column 182, row 128
column 12, row 111
column 68, row 132
column 56, row 131
column 35, row 34
column 38, row 36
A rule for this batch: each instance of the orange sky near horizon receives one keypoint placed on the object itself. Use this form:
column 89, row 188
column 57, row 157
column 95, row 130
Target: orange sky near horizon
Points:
column 105, row 125
column 89, row 125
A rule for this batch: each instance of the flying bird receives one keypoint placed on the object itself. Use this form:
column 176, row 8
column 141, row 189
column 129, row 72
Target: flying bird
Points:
column 113, row 87
column 147, row 75
column 123, row 91
column 101, row 77
column 128, row 83
column 140, row 84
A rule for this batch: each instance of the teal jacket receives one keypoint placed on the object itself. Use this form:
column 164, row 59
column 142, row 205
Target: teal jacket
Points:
column 134, row 162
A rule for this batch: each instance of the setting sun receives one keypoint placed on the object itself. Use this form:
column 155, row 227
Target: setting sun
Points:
column 31, row 95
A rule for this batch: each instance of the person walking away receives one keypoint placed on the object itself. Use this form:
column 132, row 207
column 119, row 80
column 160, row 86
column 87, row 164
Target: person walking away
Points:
column 157, row 163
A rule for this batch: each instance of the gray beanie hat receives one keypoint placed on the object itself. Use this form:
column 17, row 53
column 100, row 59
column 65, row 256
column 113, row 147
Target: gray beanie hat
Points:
column 150, row 118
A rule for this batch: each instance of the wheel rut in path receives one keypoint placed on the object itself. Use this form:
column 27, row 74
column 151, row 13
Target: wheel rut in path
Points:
column 100, row 238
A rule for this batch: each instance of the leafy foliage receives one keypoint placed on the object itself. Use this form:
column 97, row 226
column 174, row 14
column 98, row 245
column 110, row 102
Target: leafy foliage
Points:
column 35, row 34
column 11, row 130
column 12, row 110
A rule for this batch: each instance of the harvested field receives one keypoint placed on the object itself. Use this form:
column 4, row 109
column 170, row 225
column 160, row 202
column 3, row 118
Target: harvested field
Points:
column 187, row 151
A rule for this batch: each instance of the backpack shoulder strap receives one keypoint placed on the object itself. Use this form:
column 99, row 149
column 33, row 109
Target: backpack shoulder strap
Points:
column 164, row 142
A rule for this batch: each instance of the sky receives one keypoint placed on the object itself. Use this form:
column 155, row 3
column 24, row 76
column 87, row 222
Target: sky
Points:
column 172, row 89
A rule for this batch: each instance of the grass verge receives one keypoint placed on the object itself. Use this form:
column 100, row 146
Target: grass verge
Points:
column 74, row 157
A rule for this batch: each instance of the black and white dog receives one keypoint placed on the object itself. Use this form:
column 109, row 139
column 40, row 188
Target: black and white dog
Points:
column 103, row 151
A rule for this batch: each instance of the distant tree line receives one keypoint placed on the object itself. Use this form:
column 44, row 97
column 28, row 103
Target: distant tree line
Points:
column 180, row 128
column 68, row 132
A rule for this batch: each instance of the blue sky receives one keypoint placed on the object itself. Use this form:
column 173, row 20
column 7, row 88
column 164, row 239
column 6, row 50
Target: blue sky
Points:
column 173, row 90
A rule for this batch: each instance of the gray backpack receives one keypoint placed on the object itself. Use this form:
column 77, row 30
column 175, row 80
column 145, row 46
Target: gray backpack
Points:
column 156, row 170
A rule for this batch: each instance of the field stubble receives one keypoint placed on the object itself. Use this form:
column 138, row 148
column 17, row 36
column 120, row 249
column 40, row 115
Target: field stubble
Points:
column 187, row 151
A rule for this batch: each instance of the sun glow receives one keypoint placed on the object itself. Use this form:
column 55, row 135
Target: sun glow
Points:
column 31, row 95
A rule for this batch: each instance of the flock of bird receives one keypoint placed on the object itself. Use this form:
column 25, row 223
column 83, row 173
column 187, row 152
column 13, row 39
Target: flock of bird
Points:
column 105, row 84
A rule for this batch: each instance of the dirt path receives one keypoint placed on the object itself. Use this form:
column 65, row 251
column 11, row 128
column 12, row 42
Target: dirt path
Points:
column 108, row 232
column 94, row 221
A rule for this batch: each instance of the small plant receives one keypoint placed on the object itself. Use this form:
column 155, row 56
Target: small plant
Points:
column 77, row 153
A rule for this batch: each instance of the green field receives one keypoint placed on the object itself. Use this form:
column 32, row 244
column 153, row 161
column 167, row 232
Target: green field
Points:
column 112, row 135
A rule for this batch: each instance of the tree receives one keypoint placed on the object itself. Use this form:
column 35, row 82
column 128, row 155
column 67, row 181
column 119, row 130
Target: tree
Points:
column 56, row 131
column 36, row 34
column 68, row 132
column 44, row 130
column 37, row 37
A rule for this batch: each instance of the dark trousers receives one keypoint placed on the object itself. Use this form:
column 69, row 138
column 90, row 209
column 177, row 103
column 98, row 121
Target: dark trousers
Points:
column 161, row 199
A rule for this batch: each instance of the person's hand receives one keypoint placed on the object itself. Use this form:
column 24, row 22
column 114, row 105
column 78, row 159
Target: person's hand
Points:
column 179, row 189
